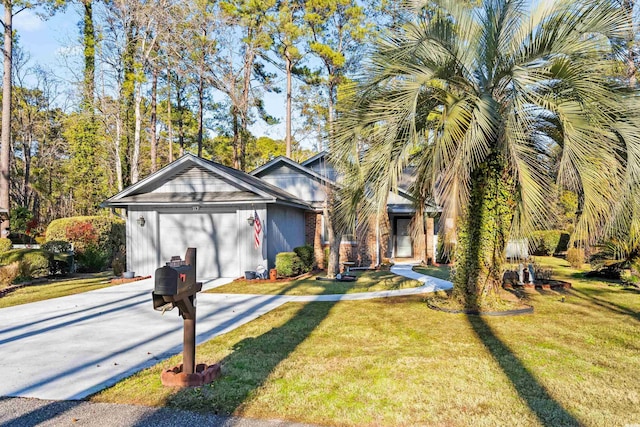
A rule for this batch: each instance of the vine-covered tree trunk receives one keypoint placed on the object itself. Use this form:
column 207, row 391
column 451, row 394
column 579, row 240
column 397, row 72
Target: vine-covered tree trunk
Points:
column 483, row 232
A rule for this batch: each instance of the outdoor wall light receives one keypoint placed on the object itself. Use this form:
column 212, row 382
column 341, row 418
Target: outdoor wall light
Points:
column 141, row 221
column 251, row 220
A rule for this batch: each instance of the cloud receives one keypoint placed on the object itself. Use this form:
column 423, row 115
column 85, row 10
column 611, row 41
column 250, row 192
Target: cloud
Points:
column 27, row 21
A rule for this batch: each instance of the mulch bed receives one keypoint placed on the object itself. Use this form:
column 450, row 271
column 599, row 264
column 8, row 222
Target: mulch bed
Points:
column 120, row 281
column 547, row 285
column 524, row 310
column 9, row 289
column 278, row 280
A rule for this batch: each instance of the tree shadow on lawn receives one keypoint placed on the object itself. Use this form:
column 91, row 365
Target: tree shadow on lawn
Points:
column 588, row 295
column 253, row 359
column 535, row 395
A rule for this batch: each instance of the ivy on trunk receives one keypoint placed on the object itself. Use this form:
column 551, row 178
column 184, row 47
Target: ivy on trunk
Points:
column 482, row 235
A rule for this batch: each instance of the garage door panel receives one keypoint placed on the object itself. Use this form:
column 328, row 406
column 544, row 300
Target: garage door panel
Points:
column 213, row 234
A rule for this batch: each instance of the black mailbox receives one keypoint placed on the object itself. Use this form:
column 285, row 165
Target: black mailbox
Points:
column 176, row 286
column 175, row 283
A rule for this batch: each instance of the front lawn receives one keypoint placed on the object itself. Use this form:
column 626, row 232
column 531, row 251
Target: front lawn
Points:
column 56, row 288
column 442, row 271
column 394, row 362
column 368, row 281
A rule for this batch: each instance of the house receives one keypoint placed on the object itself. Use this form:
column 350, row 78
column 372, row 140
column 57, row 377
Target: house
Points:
column 194, row 202
column 309, row 181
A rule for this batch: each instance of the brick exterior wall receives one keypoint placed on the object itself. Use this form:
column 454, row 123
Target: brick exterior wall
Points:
column 363, row 252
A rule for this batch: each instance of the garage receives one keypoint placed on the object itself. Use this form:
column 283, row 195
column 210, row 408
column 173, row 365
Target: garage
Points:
column 230, row 217
column 213, row 234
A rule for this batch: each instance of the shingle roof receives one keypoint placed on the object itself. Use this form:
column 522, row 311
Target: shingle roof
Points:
column 250, row 188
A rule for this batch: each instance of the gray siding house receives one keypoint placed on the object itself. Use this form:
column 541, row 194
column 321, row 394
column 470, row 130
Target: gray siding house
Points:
column 194, row 202
column 197, row 203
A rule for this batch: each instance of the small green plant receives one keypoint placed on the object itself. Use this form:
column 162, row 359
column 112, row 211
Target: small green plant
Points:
column 575, row 257
column 92, row 259
column 35, row 264
column 5, row 245
column 306, row 255
column 288, row 264
column 118, row 264
column 8, row 274
column 630, row 279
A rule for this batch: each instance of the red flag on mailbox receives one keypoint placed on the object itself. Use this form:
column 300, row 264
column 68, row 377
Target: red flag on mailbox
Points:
column 257, row 228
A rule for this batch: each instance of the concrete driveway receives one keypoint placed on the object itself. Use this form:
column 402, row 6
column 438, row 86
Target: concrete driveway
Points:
column 68, row 348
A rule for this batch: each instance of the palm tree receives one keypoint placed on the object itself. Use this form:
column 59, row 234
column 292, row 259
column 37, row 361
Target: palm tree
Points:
column 477, row 99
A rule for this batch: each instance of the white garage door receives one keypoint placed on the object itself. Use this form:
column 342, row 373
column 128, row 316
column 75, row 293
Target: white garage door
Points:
column 214, row 235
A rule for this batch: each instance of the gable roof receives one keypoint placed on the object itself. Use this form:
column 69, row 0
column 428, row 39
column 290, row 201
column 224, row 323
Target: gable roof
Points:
column 240, row 187
column 312, row 159
column 282, row 160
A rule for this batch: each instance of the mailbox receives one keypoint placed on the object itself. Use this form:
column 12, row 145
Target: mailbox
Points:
column 175, row 283
column 176, row 286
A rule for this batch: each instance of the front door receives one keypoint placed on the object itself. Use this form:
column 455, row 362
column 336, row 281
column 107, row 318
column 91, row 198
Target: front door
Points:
column 404, row 248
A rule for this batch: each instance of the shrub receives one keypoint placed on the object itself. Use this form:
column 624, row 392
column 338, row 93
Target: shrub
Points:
column 629, row 279
column 288, row 264
column 109, row 233
column 5, row 245
column 8, row 273
column 61, row 264
column 575, row 257
column 307, row 257
column 35, row 264
column 92, row 259
column 57, row 246
column 118, row 264
column 548, row 242
column 22, row 239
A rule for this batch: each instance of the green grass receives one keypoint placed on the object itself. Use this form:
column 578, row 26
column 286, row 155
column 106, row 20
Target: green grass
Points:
column 368, row 281
column 55, row 289
column 395, row 362
column 440, row 271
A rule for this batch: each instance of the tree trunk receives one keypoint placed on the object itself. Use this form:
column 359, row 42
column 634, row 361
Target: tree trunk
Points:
column 180, row 121
column 5, row 139
column 135, row 159
column 335, row 238
column 628, row 6
column 119, row 174
column 289, row 66
column 429, row 249
column 26, row 168
column 482, row 235
column 201, row 104
column 89, row 37
column 236, row 138
column 169, row 119
column 154, row 121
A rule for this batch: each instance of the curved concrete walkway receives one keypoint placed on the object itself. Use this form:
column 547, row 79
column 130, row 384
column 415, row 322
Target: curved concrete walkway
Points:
column 71, row 347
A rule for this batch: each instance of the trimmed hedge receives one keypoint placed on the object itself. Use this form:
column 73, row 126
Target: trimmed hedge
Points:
column 5, row 244
column 288, row 264
column 307, row 257
column 33, row 262
column 105, row 235
column 549, row 242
